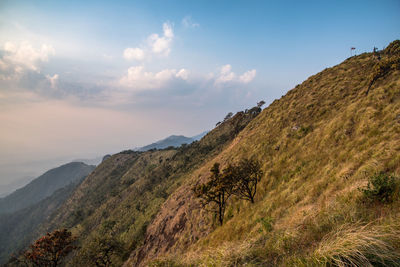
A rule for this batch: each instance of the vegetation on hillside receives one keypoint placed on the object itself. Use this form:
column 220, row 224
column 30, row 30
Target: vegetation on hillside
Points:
column 20, row 228
column 319, row 146
column 110, row 210
column 48, row 251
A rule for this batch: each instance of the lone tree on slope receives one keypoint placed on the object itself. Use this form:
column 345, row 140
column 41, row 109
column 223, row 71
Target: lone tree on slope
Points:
column 244, row 178
column 240, row 180
column 216, row 191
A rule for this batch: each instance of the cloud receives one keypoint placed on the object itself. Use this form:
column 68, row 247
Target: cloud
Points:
column 226, row 75
column 134, row 53
column 248, row 76
column 137, row 78
column 162, row 44
column 53, row 80
column 156, row 44
column 188, row 23
column 167, row 28
column 183, row 74
column 21, row 57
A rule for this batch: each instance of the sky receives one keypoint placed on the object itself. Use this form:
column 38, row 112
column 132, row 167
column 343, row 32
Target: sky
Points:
column 81, row 79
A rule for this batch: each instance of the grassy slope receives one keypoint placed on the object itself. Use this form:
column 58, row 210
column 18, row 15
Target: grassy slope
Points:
column 318, row 145
column 122, row 195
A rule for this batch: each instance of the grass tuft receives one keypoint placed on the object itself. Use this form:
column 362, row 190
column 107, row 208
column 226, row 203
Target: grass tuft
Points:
column 360, row 245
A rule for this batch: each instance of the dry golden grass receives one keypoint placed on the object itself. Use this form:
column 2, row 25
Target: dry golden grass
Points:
column 360, row 245
column 318, row 144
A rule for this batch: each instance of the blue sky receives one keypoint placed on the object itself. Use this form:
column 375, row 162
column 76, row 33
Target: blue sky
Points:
column 85, row 78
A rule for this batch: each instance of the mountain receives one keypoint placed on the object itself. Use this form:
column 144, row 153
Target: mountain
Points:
column 328, row 194
column 119, row 199
column 6, row 189
column 44, row 186
column 19, row 228
column 329, row 151
column 172, row 141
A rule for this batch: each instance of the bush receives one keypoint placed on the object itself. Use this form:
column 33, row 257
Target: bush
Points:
column 381, row 187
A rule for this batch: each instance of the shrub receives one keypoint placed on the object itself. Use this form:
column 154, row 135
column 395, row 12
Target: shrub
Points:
column 381, row 187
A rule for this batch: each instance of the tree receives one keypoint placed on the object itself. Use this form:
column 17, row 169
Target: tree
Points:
column 102, row 249
column 216, row 191
column 228, row 116
column 51, row 249
column 261, row 103
column 254, row 111
column 244, row 178
column 240, row 180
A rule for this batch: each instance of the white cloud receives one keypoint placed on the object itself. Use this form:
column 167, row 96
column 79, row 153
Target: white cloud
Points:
column 162, row 44
column 134, row 53
column 167, row 28
column 188, row 23
column 156, row 44
column 53, row 80
column 226, row 75
column 248, row 76
column 23, row 56
column 138, row 79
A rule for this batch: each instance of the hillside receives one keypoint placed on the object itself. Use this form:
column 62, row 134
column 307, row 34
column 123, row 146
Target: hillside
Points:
column 329, row 195
column 6, row 189
column 119, row 199
column 19, row 228
column 43, row 186
column 319, row 145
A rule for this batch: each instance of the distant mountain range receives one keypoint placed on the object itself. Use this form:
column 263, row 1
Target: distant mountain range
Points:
column 173, row 140
column 44, row 186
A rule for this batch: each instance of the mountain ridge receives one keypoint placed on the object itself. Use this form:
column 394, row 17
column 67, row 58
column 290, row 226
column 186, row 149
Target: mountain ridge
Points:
column 43, row 186
column 172, row 141
column 304, row 140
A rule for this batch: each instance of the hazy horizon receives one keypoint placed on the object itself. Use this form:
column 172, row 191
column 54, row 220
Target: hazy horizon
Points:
column 84, row 79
